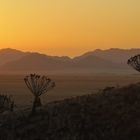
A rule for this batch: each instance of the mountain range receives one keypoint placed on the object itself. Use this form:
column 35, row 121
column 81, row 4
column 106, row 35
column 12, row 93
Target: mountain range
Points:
column 111, row 60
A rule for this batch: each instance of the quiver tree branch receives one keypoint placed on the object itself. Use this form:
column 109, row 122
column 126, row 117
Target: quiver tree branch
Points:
column 135, row 62
column 38, row 85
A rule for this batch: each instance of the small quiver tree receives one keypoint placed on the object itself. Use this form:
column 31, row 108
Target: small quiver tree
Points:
column 134, row 62
column 38, row 85
column 6, row 103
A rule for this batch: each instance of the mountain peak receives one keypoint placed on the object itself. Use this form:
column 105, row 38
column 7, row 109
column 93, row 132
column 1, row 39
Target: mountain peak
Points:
column 113, row 59
column 9, row 50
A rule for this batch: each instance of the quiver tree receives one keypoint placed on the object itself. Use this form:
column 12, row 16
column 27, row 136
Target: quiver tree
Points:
column 6, row 103
column 38, row 85
column 134, row 62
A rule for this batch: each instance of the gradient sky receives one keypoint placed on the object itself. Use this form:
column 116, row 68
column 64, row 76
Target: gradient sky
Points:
column 69, row 27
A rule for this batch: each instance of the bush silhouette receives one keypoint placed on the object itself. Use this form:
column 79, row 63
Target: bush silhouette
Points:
column 38, row 85
column 6, row 103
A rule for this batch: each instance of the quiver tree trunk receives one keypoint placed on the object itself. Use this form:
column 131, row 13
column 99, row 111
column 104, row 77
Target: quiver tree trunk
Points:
column 38, row 85
column 36, row 103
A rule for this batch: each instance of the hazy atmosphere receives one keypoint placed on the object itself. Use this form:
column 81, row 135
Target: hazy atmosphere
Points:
column 69, row 27
column 69, row 69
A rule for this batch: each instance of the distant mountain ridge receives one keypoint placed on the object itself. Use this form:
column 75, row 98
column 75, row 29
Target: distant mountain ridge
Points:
column 96, row 61
column 8, row 55
column 114, row 54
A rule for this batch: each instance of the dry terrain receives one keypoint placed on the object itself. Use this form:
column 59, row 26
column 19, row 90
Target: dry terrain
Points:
column 109, row 115
column 66, row 86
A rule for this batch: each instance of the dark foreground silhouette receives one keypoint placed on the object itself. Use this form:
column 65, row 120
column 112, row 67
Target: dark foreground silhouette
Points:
column 113, row 114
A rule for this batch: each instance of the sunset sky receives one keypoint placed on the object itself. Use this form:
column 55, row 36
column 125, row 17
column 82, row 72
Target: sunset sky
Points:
column 69, row 27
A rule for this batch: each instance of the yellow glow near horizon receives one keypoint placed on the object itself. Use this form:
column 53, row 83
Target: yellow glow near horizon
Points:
column 69, row 27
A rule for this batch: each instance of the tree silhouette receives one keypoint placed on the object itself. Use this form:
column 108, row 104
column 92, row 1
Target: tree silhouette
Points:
column 38, row 85
column 134, row 62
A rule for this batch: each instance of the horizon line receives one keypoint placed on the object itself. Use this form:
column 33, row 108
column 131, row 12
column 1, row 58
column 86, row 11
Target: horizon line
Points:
column 40, row 52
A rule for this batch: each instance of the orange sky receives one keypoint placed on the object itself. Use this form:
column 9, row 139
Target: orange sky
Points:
column 69, row 27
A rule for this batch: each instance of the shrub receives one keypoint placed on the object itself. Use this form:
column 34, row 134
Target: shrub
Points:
column 6, row 103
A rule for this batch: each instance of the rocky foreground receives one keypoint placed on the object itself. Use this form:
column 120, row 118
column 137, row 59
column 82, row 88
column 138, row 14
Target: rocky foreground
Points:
column 113, row 114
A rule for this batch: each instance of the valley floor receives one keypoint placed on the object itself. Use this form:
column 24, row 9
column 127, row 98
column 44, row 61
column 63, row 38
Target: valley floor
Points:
column 67, row 86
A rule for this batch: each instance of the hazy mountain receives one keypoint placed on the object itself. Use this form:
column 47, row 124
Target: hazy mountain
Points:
column 96, row 61
column 8, row 55
column 114, row 54
column 117, row 57
column 92, row 61
column 36, row 61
